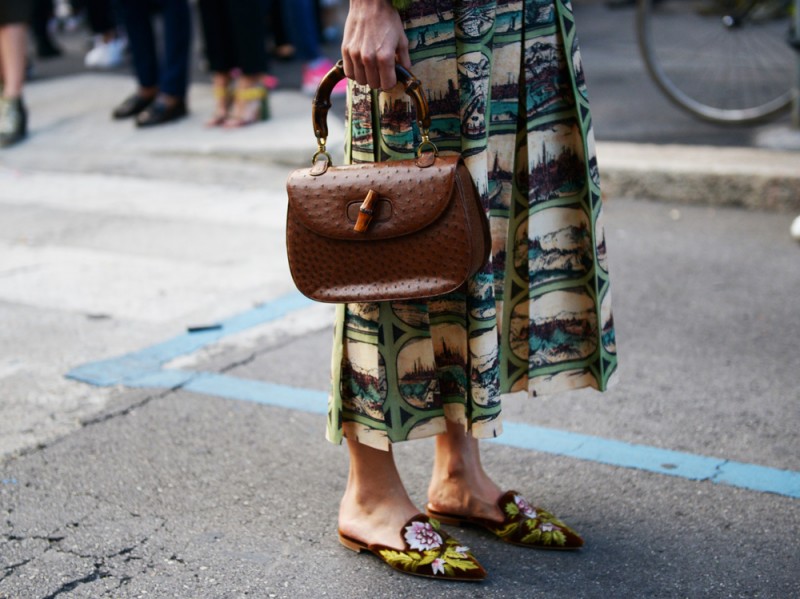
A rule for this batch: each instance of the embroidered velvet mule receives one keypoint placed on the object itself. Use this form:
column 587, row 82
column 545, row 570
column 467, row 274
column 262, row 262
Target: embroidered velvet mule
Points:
column 429, row 551
column 523, row 524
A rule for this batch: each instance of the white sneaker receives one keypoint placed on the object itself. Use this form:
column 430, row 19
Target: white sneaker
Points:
column 106, row 55
column 795, row 230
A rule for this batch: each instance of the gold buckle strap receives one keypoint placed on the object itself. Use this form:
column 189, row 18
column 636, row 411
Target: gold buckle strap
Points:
column 248, row 94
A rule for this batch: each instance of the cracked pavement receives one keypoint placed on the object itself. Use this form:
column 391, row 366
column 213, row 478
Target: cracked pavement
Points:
column 168, row 493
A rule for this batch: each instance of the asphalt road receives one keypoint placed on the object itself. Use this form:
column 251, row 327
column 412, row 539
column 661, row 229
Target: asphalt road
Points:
column 172, row 493
column 202, row 471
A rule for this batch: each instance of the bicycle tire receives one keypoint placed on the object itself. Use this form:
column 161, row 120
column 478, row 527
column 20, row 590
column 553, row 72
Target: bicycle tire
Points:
column 751, row 65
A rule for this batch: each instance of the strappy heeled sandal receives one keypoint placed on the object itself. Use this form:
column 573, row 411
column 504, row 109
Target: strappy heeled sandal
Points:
column 250, row 106
column 223, row 97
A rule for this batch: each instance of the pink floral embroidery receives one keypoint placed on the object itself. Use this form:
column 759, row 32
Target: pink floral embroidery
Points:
column 437, row 566
column 422, row 536
column 548, row 527
column 525, row 507
column 461, row 550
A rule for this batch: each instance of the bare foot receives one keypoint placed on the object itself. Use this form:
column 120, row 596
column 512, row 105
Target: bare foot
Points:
column 465, row 496
column 459, row 485
column 375, row 505
column 379, row 521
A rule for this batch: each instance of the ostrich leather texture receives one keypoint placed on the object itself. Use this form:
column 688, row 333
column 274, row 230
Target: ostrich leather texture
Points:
column 427, row 232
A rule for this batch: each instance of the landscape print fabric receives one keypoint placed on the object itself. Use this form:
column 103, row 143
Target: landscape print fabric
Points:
column 505, row 86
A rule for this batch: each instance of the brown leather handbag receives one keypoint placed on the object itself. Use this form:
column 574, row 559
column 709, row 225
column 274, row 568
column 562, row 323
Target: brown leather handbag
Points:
column 380, row 231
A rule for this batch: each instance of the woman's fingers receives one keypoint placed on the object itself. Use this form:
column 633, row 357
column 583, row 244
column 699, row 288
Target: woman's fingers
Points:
column 373, row 42
column 403, row 58
column 385, row 73
column 347, row 63
column 357, row 70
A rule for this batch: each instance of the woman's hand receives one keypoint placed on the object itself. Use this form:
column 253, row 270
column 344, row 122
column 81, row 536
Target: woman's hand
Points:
column 374, row 41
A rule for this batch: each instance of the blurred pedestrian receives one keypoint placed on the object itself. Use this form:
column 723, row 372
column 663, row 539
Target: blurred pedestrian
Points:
column 302, row 27
column 284, row 50
column 42, row 14
column 163, row 81
column 235, row 41
column 330, row 19
column 108, row 49
column 14, row 17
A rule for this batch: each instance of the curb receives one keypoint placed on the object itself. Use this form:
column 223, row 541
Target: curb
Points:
column 751, row 178
column 71, row 118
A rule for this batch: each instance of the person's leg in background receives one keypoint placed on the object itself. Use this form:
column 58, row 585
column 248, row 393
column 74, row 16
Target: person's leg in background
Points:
column 220, row 54
column 284, row 50
column 137, row 15
column 177, row 47
column 301, row 23
column 161, row 87
column 109, row 45
column 40, row 20
column 13, row 115
column 249, row 38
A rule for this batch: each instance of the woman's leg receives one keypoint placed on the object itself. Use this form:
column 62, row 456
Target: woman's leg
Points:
column 217, row 35
column 459, row 484
column 248, row 40
column 216, row 29
column 13, row 116
column 249, row 35
column 13, row 42
column 375, row 505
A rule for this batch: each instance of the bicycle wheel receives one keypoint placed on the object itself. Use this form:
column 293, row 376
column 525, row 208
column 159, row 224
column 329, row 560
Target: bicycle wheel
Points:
column 724, row 61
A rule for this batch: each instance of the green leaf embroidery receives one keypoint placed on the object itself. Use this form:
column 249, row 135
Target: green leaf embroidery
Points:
column 461, row 564
column 512, row 509
column 506, row 530
column 535, row 536
column 450, row 551
column 399, row 558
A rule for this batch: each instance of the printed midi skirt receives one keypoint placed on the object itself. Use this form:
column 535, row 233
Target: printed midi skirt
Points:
column 505, row 86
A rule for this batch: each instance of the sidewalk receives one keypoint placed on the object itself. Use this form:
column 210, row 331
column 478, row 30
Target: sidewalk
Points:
column 70, row 122
column 185, row 479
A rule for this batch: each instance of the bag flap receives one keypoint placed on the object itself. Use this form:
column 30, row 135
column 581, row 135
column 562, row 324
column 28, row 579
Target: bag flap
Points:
column 408, row 197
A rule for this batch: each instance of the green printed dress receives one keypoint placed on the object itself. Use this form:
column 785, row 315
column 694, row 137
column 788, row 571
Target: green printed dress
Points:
column 505, row 86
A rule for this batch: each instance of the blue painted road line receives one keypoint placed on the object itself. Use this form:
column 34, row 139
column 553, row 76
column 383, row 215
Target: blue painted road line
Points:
column 271, row 394
column 651, row 459
column 127, row 369
column 144, row 369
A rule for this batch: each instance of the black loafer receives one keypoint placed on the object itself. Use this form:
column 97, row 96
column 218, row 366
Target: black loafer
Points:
column 131, row 106
column 159, row 112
